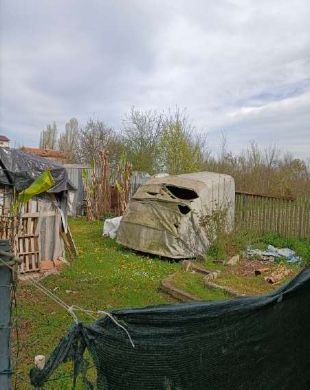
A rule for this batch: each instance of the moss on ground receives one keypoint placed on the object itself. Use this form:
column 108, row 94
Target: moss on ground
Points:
column 193, row 283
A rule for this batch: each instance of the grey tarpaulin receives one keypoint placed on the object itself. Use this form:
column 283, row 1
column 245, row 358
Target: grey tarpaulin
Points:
column 247, row 343
column 164, row 215
column 20, row 169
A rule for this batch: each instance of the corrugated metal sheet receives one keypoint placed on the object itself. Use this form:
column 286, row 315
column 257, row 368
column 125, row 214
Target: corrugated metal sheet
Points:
column 76, row 198
column 137, row 179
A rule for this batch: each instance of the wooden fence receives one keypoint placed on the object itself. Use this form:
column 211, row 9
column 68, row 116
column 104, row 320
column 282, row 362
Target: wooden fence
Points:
column 264, row 214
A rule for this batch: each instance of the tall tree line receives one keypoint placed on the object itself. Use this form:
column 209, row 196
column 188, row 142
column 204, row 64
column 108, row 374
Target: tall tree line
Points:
column 151, row 141
column 167, row 142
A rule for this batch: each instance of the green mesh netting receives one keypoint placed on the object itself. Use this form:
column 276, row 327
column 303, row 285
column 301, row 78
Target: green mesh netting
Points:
column 247, row 343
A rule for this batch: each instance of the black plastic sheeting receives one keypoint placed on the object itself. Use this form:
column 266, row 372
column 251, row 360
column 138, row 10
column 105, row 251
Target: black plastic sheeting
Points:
column 248, row 343
column 20, row 169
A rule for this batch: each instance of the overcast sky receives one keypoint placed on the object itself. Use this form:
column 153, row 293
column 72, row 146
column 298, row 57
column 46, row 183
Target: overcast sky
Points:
column 239, row 67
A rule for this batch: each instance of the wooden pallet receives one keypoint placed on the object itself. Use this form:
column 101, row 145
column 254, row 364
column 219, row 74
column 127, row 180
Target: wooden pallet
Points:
column 28, row 245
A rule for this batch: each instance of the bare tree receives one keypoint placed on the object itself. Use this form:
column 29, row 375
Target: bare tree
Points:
column 48, row 137
column 95, row 137
column 68, row 141
column 270, row 156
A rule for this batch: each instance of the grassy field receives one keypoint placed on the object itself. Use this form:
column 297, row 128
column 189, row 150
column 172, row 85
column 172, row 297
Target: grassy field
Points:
column 105, row 276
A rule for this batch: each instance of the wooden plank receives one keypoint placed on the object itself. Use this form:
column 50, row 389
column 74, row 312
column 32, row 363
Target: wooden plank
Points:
column 21, row 266
column 26, row 245
column 28, row 235
column 37, row 214
column 72, row 243
column 27, row 253
column 259, row 195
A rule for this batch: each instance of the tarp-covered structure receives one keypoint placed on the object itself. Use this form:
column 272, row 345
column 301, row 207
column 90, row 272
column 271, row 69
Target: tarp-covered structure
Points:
column 252, row 343
column 41, row 219
column 20, row 169
column 165, row 216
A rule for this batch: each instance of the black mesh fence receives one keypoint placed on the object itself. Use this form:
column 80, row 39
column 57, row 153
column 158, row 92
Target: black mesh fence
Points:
column 248, row 343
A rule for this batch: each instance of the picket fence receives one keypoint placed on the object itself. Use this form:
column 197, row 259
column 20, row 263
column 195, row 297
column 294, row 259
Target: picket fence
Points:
column 264, row 214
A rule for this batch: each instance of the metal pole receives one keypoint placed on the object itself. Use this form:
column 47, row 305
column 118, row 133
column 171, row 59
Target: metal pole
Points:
column 5, row 315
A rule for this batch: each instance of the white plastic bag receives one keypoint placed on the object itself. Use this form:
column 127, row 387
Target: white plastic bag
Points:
column 110, row 227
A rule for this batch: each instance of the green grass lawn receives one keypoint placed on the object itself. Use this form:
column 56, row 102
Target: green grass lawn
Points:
column 193, row 283
column 105, row 276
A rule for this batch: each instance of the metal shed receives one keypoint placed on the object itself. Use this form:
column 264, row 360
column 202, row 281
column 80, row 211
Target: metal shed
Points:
column 39, row 231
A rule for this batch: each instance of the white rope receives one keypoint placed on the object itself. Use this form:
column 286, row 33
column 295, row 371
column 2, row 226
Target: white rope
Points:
column 71, row 309
column 118, row 324
column 90, row 312
column 49, row 293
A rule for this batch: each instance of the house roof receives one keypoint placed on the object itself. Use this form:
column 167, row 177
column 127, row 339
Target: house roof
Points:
column 4, row 138
column 44, row 152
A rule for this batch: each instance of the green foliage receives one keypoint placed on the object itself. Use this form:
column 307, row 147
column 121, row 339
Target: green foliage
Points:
column 160, row 142
column 141, row 139
column 214, row 224
column 178, row 150
column 217, row 251
column 164, row 142
column 264, row 171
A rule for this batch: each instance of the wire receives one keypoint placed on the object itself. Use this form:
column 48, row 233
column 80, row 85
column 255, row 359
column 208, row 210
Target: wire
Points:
column 71, row 309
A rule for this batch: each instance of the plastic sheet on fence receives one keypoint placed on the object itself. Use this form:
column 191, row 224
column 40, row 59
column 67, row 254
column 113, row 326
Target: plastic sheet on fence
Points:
column 248, row 343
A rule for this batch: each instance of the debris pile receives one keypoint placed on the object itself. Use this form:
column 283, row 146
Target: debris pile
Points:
column 272, row 253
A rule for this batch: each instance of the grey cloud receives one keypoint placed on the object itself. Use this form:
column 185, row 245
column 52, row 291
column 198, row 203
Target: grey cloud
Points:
column 219, row 59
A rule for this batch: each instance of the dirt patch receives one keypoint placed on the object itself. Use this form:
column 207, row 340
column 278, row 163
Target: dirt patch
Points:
column 248, row 267
column 272, row 272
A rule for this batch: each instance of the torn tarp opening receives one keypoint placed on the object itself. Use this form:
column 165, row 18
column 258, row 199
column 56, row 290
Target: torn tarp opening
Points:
column 181, row 192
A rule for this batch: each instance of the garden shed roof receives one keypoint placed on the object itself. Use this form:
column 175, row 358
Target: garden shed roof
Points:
column 20, row 169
